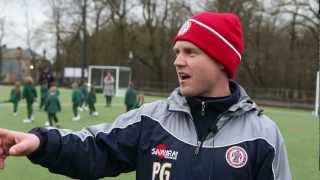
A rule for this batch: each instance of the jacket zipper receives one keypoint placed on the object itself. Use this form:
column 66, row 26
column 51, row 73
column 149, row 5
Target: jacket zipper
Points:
column 200, row 143
column 203, row 108
column 197, row 150
column 211, row 175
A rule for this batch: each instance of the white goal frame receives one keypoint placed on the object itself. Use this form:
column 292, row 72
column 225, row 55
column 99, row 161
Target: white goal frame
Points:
column 117, row 69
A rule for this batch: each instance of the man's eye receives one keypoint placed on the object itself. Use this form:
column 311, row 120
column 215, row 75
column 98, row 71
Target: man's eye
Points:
column 192, row 53
column 188, row 51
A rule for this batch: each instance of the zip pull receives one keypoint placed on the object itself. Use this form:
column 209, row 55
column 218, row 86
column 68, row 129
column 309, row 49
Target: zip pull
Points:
column 199, row 145
column 203, row 108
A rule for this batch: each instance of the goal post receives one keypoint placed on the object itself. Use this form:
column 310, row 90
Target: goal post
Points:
column 121, row 75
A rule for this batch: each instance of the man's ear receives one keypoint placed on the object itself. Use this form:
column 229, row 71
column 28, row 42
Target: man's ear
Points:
column 222, row 68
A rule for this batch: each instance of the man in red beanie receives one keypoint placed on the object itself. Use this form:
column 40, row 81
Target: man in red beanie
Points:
column 208, row 128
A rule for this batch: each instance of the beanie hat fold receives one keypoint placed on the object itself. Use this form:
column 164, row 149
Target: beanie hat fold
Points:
column 219, row 35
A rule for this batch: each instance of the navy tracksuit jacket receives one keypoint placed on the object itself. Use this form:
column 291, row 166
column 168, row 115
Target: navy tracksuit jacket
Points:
column 159, row 142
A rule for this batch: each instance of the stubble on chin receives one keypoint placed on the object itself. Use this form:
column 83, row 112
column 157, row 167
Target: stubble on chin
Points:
column 186, row 91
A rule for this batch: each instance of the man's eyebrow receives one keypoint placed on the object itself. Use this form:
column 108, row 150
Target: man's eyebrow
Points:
column 185, row 49
column 190, row 49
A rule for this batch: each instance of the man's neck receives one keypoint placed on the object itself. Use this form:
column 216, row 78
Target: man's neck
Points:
column 221, row 89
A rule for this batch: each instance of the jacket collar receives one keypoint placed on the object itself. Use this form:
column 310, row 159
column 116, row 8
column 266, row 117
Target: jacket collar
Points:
column 178, row 102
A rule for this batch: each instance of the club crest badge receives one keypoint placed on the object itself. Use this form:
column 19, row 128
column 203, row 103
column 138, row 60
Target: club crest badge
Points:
column 184, row 28
column 236, row 157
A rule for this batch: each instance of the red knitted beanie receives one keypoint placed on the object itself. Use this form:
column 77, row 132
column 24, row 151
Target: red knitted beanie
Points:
column 219, row 35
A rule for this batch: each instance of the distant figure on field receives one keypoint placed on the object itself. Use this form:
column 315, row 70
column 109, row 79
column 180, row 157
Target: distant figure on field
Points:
column 76, row 101
column 46, row 76
column 130, row 99
column 92, row 99
column 108, row 88
column 43, row 93
column 52, row 106
column 29, row 93
column 15, row 97
column 83, row 87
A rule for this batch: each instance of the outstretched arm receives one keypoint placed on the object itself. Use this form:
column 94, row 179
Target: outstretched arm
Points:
column 14, row 143
column 94, row 152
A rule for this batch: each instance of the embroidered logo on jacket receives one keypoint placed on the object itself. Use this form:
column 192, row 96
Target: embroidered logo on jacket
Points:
column 236, row 157
column 162, row 151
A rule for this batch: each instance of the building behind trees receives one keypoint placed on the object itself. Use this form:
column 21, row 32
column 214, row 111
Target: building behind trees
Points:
column 18, row 63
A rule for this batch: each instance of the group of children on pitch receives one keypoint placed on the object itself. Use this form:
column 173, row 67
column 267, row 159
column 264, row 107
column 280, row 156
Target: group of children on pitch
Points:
column 82, row 99
column 49, row 99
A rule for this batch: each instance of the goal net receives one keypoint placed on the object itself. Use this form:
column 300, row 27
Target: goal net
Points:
column 121, row 76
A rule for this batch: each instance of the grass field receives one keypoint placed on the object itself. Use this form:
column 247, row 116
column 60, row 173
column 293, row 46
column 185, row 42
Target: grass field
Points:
column 299, row 128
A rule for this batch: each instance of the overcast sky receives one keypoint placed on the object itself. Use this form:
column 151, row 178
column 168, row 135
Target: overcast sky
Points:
column 15, row 13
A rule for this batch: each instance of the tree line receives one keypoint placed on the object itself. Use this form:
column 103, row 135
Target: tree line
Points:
column 281, row 40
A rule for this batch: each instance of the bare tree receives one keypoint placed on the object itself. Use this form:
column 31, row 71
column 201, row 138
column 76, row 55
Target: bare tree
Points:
column 30, row 36
column 2, row 22
column 101, row 17
column 153, row 39
column 2, row 30
column 65, row 26
column 71, row 26
column 279, row 37
column 118, row 15
column 304, row 22
column 56, row 15
column 155, row 15
column 2, row 35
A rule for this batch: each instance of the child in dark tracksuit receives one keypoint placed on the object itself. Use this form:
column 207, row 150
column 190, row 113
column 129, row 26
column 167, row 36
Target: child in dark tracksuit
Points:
column 29, row 93
column 52, row 106
column 76, row 101
column 15, row 97
column 84, row 95
column 43, row 94
column 130, row 99
column 92, row 99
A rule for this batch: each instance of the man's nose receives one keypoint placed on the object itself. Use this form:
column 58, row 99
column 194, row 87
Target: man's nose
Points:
column 180, row 60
